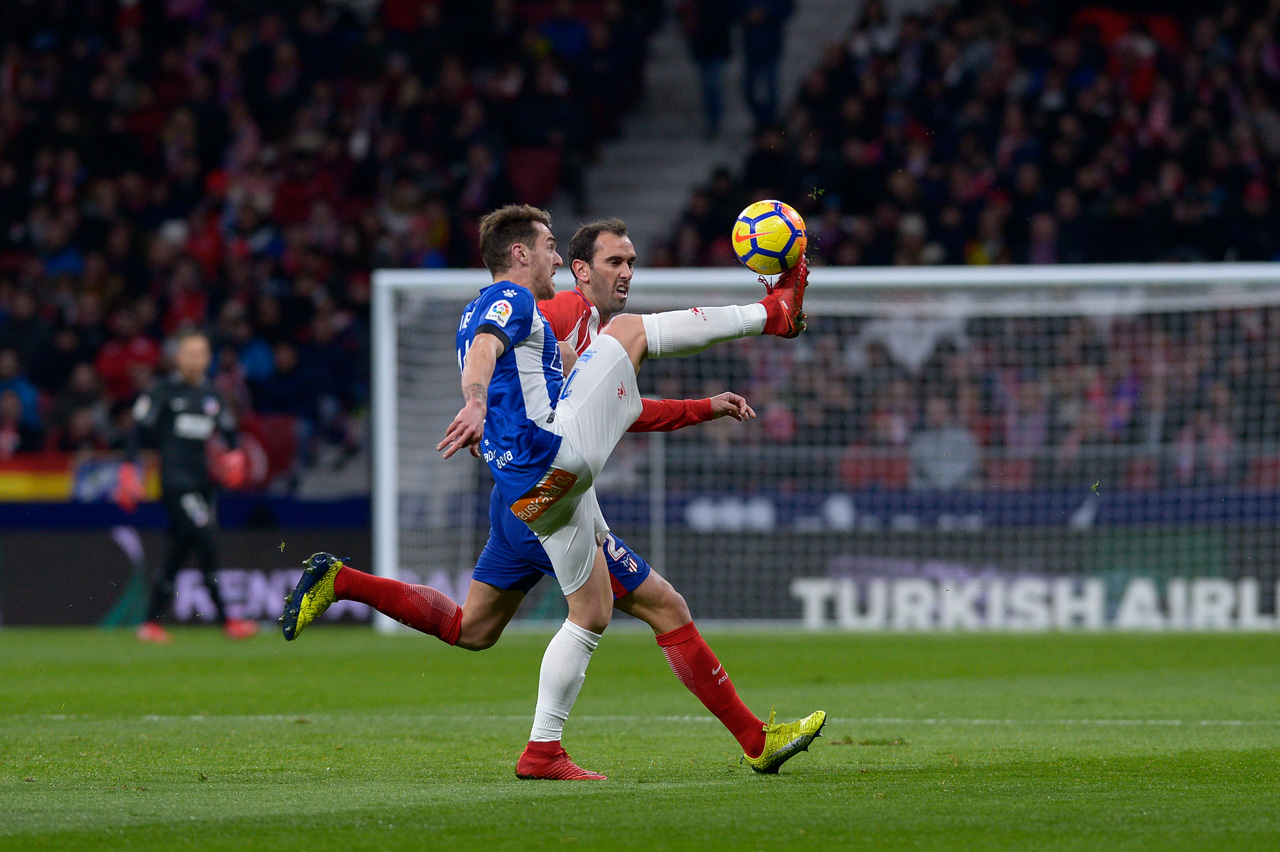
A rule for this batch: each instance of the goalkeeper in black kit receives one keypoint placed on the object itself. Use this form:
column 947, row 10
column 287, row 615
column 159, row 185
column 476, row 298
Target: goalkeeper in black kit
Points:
column 178, row 416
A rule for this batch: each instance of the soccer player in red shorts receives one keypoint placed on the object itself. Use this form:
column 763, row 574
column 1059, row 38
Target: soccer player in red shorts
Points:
column 603, row 259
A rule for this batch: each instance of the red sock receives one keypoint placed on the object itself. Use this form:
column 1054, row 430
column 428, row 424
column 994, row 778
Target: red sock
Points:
column 703, row 675
column 420, row 607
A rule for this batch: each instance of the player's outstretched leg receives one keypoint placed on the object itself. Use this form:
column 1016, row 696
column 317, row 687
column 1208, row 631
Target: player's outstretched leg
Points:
column 672, row 334
column 327, row 579
column 784, row 741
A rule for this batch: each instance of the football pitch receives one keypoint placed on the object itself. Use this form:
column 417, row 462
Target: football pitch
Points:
column 347, row 740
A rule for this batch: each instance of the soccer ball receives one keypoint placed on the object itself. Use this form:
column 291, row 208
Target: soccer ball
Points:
column 769, row 237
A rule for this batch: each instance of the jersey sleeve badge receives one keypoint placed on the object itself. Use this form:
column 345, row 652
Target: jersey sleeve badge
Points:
column 499, row 313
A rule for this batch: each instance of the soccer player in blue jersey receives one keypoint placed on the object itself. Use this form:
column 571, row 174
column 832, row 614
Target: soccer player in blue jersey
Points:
column 546, row 436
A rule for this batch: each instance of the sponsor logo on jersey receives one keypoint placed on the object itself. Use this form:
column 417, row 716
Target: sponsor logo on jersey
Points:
column 499, row 312
column 510, row 294
column 197, row 427
column 554, row 485
column 499, row 459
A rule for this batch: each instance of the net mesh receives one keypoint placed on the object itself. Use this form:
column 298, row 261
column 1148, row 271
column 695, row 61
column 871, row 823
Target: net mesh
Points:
column 1073, row 438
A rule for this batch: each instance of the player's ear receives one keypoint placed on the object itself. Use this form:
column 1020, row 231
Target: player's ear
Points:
column 581, row 270
column 519, row 254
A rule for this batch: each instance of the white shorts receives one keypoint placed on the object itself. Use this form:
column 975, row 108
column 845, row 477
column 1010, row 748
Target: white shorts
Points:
column 599, row 402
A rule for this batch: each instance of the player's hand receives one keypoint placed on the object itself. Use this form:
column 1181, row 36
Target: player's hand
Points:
column 465, row 430
column 129, row 491
column 730, row 405
column 232, row 468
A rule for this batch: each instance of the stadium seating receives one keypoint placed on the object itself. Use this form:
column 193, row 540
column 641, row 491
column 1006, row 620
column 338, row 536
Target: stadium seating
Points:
column 1027, row 133
column 1009, row 132
column 162, row 162
column 246, row 169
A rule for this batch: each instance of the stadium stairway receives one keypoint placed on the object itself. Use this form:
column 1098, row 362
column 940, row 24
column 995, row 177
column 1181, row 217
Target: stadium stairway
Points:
column 661, row 155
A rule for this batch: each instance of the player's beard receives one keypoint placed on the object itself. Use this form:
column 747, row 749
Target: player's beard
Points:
column 544, row 286
column 607, row 299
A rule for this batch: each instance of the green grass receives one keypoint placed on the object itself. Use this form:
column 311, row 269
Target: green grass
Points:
column 346, row 740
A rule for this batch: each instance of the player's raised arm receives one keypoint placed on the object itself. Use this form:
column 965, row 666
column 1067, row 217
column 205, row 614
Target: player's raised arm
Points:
column 477, row 371
column 667, row 415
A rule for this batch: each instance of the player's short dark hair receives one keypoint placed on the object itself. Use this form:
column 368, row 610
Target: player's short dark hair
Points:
column 505, row 227
column 583, row 244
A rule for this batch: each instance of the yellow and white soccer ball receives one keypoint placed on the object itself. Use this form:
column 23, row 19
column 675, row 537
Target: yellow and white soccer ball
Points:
column 769, row 237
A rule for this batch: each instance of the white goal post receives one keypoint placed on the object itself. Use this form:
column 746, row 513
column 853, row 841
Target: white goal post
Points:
column 1082, row 450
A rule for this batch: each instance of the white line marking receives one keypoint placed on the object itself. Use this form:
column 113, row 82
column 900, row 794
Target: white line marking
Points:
column 704, row 719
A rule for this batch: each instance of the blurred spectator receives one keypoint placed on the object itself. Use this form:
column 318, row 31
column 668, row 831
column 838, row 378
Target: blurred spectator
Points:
column 24, row 330
column 17, row 434
column 83, row 397
column 293, row 389
column 763, row 26
column 236, row 333
column 79, row 433
column 13, row 380
column 944, row 455
column 1205, row 448
column 707, row 25
column 126, row 361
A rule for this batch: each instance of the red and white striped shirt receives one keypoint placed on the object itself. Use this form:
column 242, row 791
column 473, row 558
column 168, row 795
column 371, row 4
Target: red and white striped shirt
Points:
column 577, row 322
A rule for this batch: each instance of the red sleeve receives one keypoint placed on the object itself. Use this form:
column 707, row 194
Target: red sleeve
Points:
column 666, row 415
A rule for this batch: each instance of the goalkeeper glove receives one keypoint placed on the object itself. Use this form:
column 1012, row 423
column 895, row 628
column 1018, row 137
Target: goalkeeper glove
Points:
column 232, row 468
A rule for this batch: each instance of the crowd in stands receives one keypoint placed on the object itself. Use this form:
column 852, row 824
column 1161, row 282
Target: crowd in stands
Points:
column 1025, row 132
column 1188, row 399
column 242, row 166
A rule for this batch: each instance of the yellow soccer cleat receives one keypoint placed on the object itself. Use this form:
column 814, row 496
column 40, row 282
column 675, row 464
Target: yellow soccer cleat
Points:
column 313, row 594
column 783, row 742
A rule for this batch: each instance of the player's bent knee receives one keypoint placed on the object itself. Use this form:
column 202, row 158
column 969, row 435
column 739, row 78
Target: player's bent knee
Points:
column 656, row 602
column 656, row 593
column 676, row 607
column 628, row 329
column 596, row 622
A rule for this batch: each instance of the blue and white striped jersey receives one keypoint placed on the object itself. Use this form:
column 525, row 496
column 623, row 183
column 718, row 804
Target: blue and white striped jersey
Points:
column 524, row 390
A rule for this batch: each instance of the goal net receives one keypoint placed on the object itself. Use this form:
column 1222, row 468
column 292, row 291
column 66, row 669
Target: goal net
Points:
column 978, row 448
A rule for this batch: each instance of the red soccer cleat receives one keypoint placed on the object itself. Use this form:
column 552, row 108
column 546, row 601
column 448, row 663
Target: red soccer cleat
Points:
column 548, row 762
column 239, row 628
column 785, row 303
column 152, row 633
